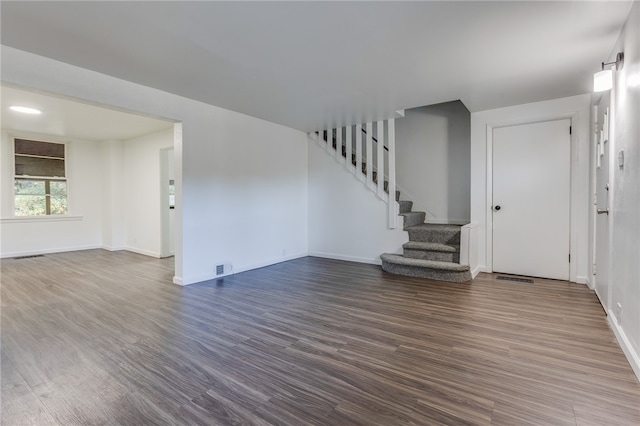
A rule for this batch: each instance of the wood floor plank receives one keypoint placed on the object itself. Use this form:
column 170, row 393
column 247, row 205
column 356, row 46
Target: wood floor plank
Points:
column 105, row 338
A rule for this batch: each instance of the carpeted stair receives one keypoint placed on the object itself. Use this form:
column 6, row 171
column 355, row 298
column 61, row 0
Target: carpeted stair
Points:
column 433, row 250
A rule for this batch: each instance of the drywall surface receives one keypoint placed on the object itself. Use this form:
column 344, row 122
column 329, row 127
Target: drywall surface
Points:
column 114, row 207
column 432, row 160
column 577, row 108
column 625, row 192
column 142, row 204
column 81, row 229
column 347, row 220
column 241, row 182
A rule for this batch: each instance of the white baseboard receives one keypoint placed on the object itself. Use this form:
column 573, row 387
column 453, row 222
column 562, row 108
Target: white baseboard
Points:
column 269, row 262
column 48, row 251
column 582, row 280
column 589, row 283
column 632, row 356
column 212, row 276
column 375, row 261
column 112, row 248
column 142, row 251
column 475, row 271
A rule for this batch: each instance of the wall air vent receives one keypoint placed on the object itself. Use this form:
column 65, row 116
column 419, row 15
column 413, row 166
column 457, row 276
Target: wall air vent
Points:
column 28, row 257
column 520, row 280
column 219, row 269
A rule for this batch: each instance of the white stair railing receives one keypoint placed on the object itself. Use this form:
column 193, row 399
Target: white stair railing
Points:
column 371, row 154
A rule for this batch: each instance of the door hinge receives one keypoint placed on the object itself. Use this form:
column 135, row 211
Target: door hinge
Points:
column 569, row 257
column 570, row 129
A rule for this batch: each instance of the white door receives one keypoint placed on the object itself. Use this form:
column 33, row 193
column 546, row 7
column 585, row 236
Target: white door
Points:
column 531, row 199
column 602, row 204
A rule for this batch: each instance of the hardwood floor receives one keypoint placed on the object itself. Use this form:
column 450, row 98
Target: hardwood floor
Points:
column 100, row 338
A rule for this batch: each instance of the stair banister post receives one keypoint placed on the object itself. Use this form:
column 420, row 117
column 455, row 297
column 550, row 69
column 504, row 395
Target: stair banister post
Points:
column 349, row 148
column 359, row 152
column 380, row 166
column 391, row 145
column 339, row 144
column 369, row 155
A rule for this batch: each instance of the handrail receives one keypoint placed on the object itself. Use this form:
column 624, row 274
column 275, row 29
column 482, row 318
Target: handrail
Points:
column 363, row 131
column 364, row 158
column 374, row 139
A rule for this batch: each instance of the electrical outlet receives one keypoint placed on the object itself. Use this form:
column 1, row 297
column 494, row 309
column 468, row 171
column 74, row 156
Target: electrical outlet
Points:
column 619, row 312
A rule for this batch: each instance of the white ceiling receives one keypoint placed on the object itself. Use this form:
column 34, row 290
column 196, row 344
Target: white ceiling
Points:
column 71, row 119
column 312, row 64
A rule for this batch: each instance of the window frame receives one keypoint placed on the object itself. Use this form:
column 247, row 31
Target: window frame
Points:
column 46, row 179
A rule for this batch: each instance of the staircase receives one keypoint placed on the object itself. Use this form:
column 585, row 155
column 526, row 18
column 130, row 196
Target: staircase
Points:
column 433, row 250
column 367, row 151
column 329, row 136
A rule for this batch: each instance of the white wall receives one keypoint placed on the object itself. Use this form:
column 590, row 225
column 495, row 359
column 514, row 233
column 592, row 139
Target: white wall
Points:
column 578, row 109
column 114, row 210
column 432, row 160
column 241, row 182
column 347, row 220
column 81, row 230
column 142, row 201
column 625, row 193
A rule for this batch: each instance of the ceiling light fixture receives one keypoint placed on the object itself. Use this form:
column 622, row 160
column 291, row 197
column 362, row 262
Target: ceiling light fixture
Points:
column 25, row 110
column 603, row 80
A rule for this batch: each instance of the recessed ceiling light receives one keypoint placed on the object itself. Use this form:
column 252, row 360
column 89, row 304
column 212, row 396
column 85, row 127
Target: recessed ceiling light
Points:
column 25, row 110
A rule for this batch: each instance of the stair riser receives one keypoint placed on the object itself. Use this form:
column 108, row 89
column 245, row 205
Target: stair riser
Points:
column 415, row 218
column 432, row 255
column 412, row 271
column 434, row 236
column 405, row 206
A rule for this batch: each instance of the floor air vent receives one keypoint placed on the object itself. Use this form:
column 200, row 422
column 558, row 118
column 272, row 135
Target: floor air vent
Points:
column 28, row 257
column 219, row 269
column 520, row 280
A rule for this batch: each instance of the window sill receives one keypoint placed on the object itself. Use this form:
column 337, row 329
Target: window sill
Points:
column 37, row 219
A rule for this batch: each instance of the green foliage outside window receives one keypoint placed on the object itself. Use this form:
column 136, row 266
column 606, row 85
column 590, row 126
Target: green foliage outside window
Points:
column 40, row 197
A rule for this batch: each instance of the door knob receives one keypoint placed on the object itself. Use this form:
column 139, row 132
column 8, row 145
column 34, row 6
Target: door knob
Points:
column 497, row 208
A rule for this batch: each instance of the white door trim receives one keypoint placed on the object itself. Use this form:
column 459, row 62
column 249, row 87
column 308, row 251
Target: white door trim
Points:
column 165, row 250
column 573, row 220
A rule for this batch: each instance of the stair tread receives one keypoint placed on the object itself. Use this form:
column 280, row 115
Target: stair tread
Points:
column 437, row 226
column 422, row 245
column 411, row 213
column 431, row 264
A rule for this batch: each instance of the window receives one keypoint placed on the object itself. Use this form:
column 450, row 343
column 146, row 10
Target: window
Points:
column 40, row 182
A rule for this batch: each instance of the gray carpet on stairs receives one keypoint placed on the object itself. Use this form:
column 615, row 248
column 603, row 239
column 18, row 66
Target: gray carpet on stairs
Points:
column 441, row 271
column 405, row 206
column 413, row 218
column 433, row 250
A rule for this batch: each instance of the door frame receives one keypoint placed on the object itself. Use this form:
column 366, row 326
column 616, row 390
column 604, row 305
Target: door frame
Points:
column 165, row 250
column 573, row 202
column 593, row 193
